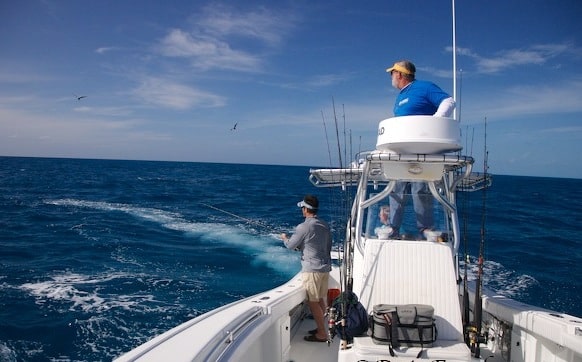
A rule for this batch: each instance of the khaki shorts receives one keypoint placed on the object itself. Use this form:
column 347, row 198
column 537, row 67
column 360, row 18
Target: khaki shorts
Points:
column 315, row 285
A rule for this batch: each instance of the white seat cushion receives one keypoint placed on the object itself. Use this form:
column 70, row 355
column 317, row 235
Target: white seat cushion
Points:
column 413, row 272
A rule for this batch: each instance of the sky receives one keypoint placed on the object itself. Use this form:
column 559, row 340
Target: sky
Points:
column 304, row 81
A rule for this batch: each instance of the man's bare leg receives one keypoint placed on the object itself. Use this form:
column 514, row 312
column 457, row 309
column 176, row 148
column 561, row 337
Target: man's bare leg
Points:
column 317, row 313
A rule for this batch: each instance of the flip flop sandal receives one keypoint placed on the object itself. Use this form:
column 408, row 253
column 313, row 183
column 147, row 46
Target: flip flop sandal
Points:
column 313, row 338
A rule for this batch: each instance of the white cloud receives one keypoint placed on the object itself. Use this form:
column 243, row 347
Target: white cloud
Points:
column 22, row 76
column 261, row 24
column 103, row 50
column 105, row 111
column 571, row 130
column 28, row 125
column 510, row 58
column 24, row 133
column 317, row 81
column 173, row 95
column 224, row 38
column 526, row 100
column 206, row 52
column 17, row 100
column 327, row 80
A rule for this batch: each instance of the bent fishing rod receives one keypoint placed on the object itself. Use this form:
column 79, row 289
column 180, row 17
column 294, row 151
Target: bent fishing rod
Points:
column 250, row 221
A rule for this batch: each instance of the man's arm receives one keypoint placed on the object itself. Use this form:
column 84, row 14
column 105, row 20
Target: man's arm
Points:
column 446, row 108
column 296, row 239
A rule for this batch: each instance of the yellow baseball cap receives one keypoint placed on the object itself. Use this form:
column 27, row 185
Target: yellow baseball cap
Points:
column 399, row 68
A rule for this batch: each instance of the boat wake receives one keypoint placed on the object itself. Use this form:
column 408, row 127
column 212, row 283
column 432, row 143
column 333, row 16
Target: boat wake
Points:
column 266, row 249
column 97, row 305
column 500, row 279
column 180, row 283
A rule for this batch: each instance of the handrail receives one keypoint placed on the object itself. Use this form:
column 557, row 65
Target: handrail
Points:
column 452, row 159
column 216, row 346
column 219, row 344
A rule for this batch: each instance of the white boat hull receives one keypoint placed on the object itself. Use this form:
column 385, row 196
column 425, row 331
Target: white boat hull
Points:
column 265, row 327
column 521, row 332
column 270, row 327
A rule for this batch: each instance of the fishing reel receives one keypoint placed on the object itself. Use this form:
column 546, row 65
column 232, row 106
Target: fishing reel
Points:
column 331, row 331
column 474, row 338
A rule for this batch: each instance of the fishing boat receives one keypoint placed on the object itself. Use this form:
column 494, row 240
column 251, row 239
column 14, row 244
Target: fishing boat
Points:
column 386, row 273
column 420, row 303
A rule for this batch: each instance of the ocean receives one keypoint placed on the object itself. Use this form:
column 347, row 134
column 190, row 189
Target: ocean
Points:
column 99, row 256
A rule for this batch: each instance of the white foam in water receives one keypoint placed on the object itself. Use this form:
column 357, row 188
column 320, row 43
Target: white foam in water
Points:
column 280, row 259
column 103, row 313
column 67, row 287
column 268, row 250
column 499, row 278
column 6, row 354
column 155, row 215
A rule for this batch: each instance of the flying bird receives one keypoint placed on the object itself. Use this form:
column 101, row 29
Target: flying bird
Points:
column 234, row 127
column 79, row 97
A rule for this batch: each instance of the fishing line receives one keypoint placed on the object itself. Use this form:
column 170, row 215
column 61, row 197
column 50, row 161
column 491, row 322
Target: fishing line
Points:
column 250, row 221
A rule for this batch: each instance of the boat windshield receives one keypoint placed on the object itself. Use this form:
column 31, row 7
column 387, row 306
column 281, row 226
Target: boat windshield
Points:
column 381, row 219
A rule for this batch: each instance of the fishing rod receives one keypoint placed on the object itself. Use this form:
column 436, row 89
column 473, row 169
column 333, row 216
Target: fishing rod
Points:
column 466, row 311
column 250, row 221
column 466, row 304
column 326, row 138
column 333, row 320
column 478, row 312
column 345, row 139
column 339, row 149
column 343, row 306
column 342, row 202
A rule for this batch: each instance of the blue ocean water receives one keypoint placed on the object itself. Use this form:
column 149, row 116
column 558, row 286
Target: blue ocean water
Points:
column 99, row 256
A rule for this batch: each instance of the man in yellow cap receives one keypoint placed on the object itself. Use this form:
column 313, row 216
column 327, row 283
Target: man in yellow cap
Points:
column 416, row 97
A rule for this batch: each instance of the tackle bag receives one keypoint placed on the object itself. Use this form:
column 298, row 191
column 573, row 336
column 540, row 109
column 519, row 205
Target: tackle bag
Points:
column 349, row 308
column 410, row 325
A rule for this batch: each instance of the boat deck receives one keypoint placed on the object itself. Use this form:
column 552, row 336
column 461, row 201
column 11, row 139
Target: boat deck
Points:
column 303, row 351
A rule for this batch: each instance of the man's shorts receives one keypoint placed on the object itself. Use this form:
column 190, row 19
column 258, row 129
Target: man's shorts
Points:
column 315, row 285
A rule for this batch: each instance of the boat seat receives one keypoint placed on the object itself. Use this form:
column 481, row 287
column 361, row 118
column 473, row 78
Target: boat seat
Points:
column 442, row 350
column 413, row 272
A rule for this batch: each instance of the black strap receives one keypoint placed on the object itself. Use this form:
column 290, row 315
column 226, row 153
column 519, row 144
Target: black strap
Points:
column 392, row 335
column 389, row 333
column 420, row 335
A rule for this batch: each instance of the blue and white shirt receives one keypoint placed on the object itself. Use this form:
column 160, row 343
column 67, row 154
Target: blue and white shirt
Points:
column 419, row 98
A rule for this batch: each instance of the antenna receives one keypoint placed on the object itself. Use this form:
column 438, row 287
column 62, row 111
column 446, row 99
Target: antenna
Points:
column 454, row 59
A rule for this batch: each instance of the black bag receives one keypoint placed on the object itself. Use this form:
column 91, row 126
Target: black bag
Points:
column 356, row 317
column 410, row 325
